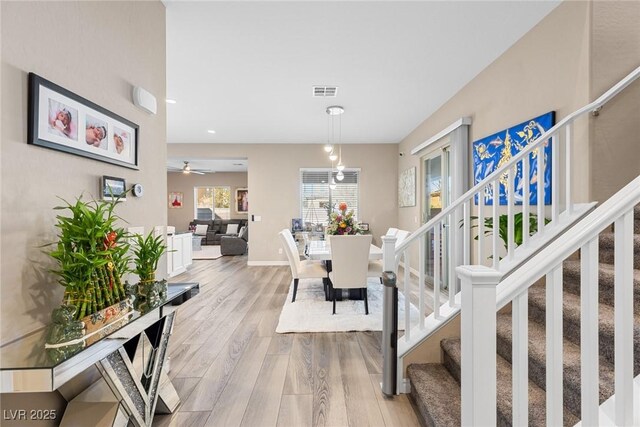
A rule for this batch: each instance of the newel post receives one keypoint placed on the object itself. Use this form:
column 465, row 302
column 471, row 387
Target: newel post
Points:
column 389, row 317
column 478, row 342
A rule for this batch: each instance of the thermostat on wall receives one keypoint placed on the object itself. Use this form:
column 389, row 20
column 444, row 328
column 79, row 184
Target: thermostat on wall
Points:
column 137, row 190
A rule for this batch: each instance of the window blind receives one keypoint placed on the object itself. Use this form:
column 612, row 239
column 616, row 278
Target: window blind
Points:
column 317, row 199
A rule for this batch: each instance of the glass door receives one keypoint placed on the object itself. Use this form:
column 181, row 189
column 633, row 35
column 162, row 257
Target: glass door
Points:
column 436, row 195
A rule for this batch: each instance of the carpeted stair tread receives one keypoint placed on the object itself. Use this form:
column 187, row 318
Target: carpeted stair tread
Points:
column 636, row 217
column 571, row 322
column 606, row 280
column 537, row 397
column 607, row 249
column 571, row 362
column 436, row 394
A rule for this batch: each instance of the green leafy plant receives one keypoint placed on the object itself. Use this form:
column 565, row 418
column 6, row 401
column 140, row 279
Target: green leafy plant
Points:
column 92, row 255
column 503, row 227
column 147, row 251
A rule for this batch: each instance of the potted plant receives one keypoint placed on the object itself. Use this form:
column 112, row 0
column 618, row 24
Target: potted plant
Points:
column 147, row 252
column 503, row 227
column 92, row 256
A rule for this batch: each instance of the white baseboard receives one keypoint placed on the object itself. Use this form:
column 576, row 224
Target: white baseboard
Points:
column 266, row 263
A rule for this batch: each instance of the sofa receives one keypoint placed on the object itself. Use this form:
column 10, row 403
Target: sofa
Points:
column 235, row 245
column 216, row 228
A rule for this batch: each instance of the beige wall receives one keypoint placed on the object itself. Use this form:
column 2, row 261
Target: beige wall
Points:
column 274, row 183
column 547, row 69
column 181, row 217
column 615, row 47
column 100, row 59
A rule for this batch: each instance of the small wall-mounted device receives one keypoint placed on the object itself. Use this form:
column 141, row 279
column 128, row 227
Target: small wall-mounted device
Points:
column 137, row 190
column 144, row 100
column 401, row 153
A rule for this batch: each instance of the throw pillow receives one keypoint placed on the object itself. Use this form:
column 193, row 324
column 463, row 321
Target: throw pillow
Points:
column 201, row 230
column 244, row 234
column 241, row 232
column 232, row 229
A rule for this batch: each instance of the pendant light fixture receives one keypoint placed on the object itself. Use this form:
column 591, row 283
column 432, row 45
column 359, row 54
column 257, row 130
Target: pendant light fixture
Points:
column 334, row 110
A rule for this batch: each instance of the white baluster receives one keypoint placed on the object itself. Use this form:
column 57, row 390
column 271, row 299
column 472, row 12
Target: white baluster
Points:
column 478, row 344
column 554, row 347
column 520, row 358
column 526, row 196
column 555, row 177
column 466, row 238
column 481, row 196
column 421, row 277
column 623, row 316
column 436, row 269
column 407, row 296
column 496, row 223
column 448, row 242
column 589, row 348
column 567, row 168
column 511, row 227
column 540, row 189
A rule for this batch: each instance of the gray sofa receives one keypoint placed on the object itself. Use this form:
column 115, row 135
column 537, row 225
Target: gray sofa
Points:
column 235, row 245
column 217, row 228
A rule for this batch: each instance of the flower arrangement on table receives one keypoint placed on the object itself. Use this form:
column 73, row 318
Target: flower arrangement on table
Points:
column 343, row 222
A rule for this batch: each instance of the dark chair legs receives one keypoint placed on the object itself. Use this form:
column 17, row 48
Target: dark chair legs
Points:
column 381, row 280
column 295, row 289
column 366, row 301
column 333, row 294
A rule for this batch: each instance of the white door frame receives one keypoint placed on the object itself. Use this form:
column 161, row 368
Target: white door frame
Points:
column 458, row 142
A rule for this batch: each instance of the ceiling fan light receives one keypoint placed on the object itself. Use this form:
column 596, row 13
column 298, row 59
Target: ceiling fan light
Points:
column 340, row 176
column 328, row 148
column 333, row 157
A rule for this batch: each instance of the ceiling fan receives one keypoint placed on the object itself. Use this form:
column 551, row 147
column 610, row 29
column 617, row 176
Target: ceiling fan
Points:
column 186, row 169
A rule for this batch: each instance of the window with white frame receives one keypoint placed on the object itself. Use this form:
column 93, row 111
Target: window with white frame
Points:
column 212, row 200
column 317, row 199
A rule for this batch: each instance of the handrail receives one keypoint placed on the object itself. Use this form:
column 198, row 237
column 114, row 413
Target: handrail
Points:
column 587, row 228
column 593, row 106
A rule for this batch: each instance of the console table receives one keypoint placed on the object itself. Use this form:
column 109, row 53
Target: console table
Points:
column 134, row 385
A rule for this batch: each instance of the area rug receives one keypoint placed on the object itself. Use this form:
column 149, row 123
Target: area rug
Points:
column 207, row 252
column 311, row 313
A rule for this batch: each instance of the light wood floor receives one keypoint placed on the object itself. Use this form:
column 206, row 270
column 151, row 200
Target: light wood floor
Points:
column 231, row 368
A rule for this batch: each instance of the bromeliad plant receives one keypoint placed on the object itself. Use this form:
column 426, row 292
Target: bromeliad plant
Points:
column 92, row 256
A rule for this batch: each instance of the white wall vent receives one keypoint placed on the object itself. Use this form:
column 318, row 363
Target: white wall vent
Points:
column 325, row 91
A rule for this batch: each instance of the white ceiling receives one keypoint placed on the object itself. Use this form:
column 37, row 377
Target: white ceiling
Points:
column 246, row 69
column 214, row 165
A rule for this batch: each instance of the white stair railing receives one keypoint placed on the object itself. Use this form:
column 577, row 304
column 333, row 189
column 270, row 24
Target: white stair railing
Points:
column 449, row 232
column 483, row 297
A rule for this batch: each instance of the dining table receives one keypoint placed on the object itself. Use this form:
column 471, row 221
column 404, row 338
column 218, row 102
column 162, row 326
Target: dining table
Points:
column 321, row 250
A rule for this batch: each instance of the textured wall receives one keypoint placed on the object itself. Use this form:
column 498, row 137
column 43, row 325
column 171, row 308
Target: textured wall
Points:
column 615, row 48
column 274, row 185
column 98, row 50
column 181, row 217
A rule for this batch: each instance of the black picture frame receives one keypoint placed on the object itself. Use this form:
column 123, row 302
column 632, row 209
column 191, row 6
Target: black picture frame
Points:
column 113, row 188
column 64, row 121
column 296, row 224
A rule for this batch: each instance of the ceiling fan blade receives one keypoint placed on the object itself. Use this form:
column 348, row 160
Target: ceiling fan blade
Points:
column 197, row 172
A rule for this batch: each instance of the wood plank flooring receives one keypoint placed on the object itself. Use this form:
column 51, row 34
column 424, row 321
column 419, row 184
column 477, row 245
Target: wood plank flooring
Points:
column 231, row 368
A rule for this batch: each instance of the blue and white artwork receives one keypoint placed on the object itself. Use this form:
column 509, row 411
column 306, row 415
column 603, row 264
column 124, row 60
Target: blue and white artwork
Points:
column 492, row 152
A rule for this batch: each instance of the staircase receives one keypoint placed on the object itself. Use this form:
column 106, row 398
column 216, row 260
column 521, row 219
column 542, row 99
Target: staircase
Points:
column 435, row 388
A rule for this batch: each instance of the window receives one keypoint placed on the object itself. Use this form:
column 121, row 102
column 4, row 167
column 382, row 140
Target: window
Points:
column 210, row 200
column 317, row 199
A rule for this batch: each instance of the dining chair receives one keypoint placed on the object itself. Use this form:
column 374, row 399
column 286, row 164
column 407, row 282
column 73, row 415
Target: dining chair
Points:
column 306, row 269
column 376, row 267
column 349, row 265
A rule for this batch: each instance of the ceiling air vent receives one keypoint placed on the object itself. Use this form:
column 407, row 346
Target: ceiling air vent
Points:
column 325, row 91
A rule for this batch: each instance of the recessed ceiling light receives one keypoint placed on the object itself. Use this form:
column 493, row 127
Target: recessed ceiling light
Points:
column 171, row 101
column 211, row 131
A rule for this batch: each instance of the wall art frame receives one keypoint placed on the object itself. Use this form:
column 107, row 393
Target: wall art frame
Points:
column 64, row 121
column 407, row 188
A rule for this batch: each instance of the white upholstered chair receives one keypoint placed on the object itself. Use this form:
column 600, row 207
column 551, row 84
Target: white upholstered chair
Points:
column 306, row 269
column 349, row 265
column 375, row 267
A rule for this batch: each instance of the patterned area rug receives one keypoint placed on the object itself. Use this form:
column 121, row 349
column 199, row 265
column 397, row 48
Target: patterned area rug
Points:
column 311, row 313
column 208, row 252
